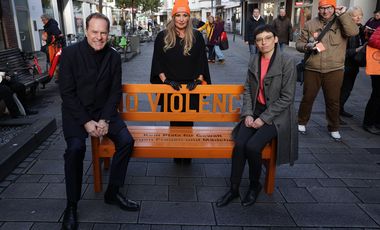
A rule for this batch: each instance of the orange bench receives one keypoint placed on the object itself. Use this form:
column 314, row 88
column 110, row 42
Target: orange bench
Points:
column 218, row 103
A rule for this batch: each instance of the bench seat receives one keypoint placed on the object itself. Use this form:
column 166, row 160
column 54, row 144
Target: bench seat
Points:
column 164, row 142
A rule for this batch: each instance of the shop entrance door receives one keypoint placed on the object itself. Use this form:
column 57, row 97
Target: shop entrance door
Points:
column 268, row 11
column 23, row 22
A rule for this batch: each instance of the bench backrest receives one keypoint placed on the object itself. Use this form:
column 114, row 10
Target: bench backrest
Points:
column 217, row 103
column 14, row 61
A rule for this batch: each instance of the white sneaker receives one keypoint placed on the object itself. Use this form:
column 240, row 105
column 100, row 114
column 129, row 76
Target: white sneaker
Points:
column 336, row 135
column 302, row 129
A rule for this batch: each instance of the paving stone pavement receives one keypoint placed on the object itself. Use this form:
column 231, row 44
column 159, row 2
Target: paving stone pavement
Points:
column 332, row 185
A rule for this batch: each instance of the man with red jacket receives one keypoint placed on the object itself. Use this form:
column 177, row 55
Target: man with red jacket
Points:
column 371, row 121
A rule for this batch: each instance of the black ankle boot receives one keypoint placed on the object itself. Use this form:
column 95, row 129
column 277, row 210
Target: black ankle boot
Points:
column 229, row 196
column 251, row 196
column 70, row 219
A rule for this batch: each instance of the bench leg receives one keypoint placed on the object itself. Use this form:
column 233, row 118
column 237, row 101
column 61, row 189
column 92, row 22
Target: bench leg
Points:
column 271, row 169
column 96, row 164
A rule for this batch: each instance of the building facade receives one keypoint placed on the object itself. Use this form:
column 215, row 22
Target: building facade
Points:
column 21, row 26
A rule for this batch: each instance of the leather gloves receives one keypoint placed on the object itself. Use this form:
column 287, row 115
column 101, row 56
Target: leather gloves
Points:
column 173, row 84
column 193, row 84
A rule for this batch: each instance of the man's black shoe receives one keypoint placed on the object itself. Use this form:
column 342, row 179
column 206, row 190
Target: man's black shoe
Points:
column 345, row 114
column 371, row 129
column 122, row 202
column 70, row 219
column 251, row 196
column 227, row 198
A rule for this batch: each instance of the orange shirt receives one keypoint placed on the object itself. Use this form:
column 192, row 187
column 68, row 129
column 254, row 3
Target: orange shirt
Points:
column 263, row 71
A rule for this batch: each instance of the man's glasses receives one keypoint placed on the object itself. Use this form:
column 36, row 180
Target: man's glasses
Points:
column 266, row 38
column 329, row 8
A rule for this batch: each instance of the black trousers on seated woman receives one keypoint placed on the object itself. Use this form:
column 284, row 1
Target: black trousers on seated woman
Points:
column 249, row 143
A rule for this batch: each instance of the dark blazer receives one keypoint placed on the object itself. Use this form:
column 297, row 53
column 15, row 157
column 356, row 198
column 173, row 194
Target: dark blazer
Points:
column 250, row 27
column 89, row 91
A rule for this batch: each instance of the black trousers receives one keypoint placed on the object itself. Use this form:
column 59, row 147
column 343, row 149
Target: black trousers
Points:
column 349, row 77
column 19, row 89
column 6, row 94
column 372, row 110
column 74, row 155
column 211, row 52
column 249, row 143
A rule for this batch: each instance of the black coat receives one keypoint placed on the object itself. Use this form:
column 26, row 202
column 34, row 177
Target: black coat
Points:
column 90, row 87
column 354, row 42
column 250, row 27
column 177, row 66
column 51, row 28
column 284, row 29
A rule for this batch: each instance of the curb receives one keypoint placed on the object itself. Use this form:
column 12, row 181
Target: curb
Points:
column 15, row 151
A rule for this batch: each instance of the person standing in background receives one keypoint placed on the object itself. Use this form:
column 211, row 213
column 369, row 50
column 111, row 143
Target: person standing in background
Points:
column 351, row 66
column 372, row 24
column 209, row 27
column 284, row 29
column 324, row 67
column 252, row 23
column 215, row 39
column 371, row 121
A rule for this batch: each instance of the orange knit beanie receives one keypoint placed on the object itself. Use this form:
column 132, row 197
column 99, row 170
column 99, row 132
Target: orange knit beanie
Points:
column 181, row 6
column 327, row 2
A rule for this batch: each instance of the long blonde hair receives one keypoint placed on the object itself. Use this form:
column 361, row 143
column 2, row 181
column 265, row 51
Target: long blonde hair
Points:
column 170, row 37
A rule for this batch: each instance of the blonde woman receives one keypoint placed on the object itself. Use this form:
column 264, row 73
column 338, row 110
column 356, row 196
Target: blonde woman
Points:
column 209, row 28
column 179, row 57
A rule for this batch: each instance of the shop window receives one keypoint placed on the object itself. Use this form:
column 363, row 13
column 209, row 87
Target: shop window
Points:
column 78, row 17
column 302, row 13
column 47, row 7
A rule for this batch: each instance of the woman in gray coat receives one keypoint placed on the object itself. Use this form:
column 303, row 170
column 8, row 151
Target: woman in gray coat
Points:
column 267, row 113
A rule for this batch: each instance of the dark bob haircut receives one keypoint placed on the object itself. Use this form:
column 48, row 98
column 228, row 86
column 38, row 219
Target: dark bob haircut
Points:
column 100, row 16
column 264, row 28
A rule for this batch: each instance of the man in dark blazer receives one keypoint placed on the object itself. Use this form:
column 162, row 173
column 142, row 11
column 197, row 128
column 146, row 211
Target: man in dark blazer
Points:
column 90, row 87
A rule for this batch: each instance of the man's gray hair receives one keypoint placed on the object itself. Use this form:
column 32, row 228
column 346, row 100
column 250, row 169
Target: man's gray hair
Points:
column 46, row 16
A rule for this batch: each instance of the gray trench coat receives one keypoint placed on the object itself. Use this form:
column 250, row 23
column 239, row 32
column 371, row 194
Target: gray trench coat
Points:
column 279, row 90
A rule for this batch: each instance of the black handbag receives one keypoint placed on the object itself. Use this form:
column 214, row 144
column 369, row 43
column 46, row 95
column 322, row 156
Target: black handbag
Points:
column 300, row 69
column 360, row 57
column 301, row 65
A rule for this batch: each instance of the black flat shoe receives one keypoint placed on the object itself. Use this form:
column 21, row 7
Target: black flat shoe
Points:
column 251, row 196
column 70, row 219
column 227, row 198
column 122, row 202
column 371, row 129
column 345, row 114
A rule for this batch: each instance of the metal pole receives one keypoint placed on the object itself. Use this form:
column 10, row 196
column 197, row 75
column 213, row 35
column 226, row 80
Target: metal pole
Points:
column 133, row 20
column 212, row 7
